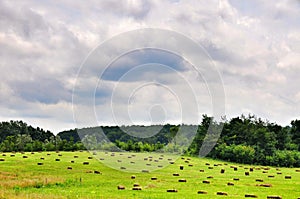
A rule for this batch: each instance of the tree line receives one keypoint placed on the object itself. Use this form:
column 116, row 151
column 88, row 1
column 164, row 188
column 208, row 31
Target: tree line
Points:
column 253, row 141
column 18, row 136
column 243, row 139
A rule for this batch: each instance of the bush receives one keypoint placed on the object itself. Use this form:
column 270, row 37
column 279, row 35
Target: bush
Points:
column 236, row 153
column 284, row 159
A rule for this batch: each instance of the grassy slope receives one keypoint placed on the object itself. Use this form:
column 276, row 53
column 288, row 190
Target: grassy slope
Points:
column 23, row 178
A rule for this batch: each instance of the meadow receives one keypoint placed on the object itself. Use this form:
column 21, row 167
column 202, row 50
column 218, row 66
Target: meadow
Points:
column 86, row 175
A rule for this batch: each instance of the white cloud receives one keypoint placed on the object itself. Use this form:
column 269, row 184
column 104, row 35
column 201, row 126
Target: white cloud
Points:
column 254, row 44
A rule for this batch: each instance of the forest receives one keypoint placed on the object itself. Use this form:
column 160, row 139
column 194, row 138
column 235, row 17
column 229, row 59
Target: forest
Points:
column 243, row 139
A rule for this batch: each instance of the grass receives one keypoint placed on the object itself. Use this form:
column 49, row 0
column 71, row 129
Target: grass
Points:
column 24, row 178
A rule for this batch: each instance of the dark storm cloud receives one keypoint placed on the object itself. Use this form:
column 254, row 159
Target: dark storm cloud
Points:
column 47, row 91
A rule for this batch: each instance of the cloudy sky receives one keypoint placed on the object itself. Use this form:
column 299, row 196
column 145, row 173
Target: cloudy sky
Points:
column 51, row 75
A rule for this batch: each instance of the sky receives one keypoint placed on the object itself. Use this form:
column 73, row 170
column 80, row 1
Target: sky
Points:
column 54, row 74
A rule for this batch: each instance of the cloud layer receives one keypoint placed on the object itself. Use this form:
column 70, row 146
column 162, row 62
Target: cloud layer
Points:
column 255, row 45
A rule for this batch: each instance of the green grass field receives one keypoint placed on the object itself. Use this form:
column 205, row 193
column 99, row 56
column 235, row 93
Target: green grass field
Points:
column 24, row 178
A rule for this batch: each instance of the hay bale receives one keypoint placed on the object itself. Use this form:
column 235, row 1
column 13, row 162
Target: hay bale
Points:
column 188, row 158
column 160, row 166
column 186, row 161
column 271, row 176
column 32, row 153
column 206, row 182
column 265, row 172
column 3, row 154
column 259, row 180
column 171, row 162
column 210, row 168
column 288, row 177
column 210, row 177
column 154, row 178
column 101, row 158
column 145, row 171
column 57, row 160
column 247, row 173
column 251, row 169
column 129, row 157
column 215, row 165
column 131, row 162
column 148, row 164
column 123, row 168
column 160, row 158
column 90, row 157
column 136, row 185
column 12, row 155
column 230, row 184
column 202, row 192
column 40, row 163
column 201, row 170
column 274, row 197
column 264, row 185
column 182, row 180
column 119, row 160
column 89, row 171
column 132, row 177
column 2, row 159
column 155, row 160
column 298, row 170
column 97, row 172
column 169, row 159
column 48, row 154
column 175, row 174
column 220, row 193
column 72, row 161
column 190, row 165
column 235, row 168
column 172, row 190
column 121, row 187
column 278, row 173
column 42, row 158
column 222, row 170
column 85, row 163
column 24, row 156
column 59, row 154
column 145, row 159
column 236, row 179
column 69, row 168
column 75, row 156
column 250, row 196
column 207, row 164
column 181, row 167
